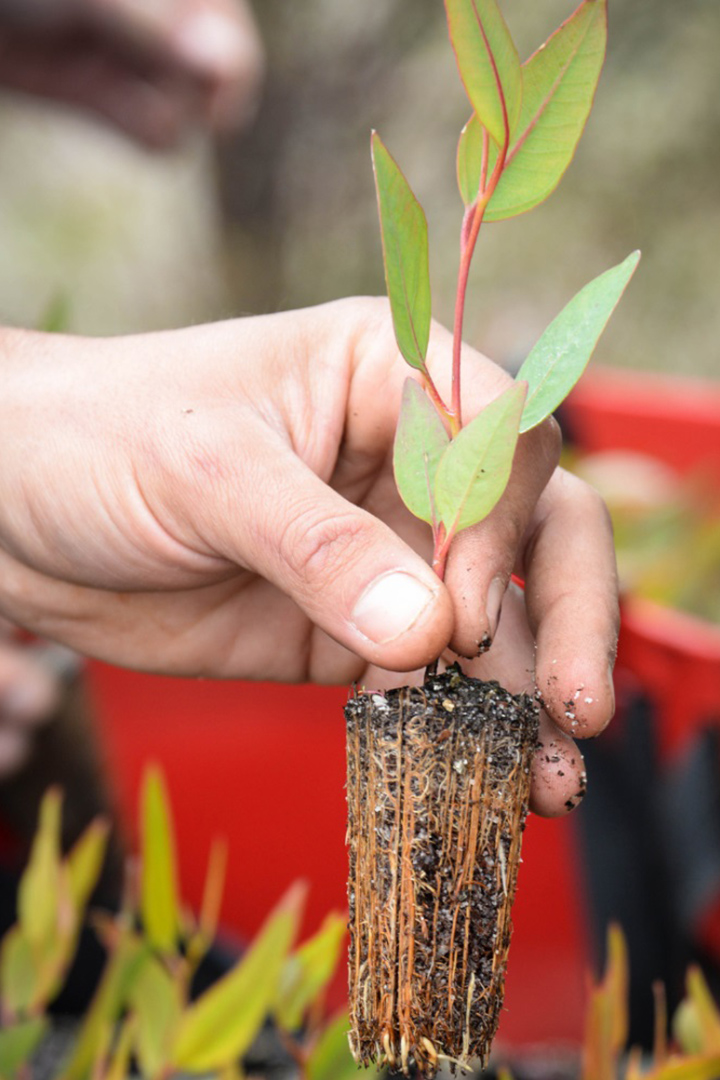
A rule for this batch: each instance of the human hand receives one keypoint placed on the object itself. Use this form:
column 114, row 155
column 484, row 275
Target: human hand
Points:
column 220, row 501
column 152, row 68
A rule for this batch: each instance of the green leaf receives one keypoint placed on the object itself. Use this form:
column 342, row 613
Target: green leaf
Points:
column 474, row 470
column 159, row 905
column 308, row 971
column 18, row 1043
column 420, row 441
column 469, row 160
column 39, row 892
column 331, row 1058
column 84, row 862
column 488, row 63
column 19, row 977
column 559, row 84
column 561, row 355
column 221, row 1025
column 155, row 1000
column 406, row 257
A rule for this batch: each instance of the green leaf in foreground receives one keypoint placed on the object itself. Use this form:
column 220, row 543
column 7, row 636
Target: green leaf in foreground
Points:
column 220, row 1026
column 561, row 355
column 474, row 470
column 488, row 62
column 559, row 84
column 405, row 252
column 420, row 442
column 158, row 898
column 18, row 1043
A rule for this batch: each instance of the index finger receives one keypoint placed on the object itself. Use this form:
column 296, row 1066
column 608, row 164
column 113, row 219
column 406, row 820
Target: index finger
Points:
column 571, row 595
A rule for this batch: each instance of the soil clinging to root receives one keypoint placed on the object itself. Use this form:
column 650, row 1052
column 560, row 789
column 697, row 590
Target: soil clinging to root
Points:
column 438, row 785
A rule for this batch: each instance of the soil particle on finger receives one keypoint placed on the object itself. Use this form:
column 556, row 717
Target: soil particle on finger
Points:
column 438, row 787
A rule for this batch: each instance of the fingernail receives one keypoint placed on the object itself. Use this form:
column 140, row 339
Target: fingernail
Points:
column 495, row 595
column 211, row 42
column 390, row 606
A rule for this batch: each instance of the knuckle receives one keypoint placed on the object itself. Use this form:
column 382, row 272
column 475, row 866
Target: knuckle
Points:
column 320, row 548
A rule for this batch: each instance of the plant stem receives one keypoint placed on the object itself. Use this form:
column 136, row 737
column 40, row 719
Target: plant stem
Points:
column 471, row 227
column 434, row 395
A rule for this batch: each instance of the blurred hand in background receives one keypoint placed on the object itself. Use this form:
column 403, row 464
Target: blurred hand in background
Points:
column 154, row 68
column 31, row 686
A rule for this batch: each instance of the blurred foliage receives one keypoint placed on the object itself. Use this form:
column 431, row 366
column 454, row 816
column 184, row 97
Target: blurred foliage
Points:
column 299, row 192
column 142, row 1021
column 667, row 529
column 137, row 241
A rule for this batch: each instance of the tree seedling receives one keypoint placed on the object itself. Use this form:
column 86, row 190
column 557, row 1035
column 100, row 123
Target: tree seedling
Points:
column 438, row 775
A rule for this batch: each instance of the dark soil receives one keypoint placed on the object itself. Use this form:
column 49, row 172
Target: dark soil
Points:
column 438, row 783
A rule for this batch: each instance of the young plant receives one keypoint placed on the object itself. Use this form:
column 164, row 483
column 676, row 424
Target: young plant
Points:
column 438, row 775
column 143, row 1020
column 512, row 153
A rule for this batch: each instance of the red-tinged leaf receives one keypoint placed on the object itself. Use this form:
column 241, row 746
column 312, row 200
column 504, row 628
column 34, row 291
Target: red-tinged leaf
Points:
column 488, row 63
column 559, row 84
column 406, row 257
column 475, row 468
column 420, row 442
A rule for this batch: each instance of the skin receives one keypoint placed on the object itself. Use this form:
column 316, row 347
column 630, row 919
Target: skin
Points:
column 219, row 501
column 153, row 68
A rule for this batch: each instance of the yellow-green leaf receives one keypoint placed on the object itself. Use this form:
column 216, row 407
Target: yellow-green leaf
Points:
column 119, row 1067
column 475, row 468
column 561, row 355
column 706, row 1011
column 307, row 972
column 18, row 1043
column 405, row 254
column 559, row 84
column 84, row 862
column 39, row 892
column 155, row 1000
column 488, row 63
column 18, row 972
column 420, row 442
column 695, row 1068
column 111, row 997
column 331, row 1058
column 221, row 1025
column 159, row 905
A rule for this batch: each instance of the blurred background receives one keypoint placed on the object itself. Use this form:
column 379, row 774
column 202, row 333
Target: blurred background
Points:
column 284, row 215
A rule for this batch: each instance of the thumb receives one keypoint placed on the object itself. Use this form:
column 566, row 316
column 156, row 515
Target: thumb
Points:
column 347, row 570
